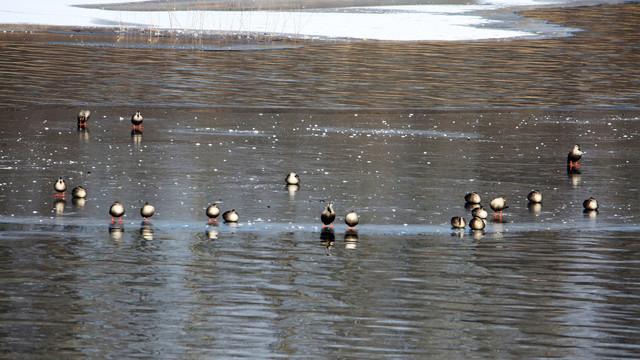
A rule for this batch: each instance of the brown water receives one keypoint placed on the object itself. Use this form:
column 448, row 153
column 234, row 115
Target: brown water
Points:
column 400, row 137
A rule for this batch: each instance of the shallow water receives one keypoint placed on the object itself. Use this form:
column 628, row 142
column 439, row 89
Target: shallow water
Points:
column 541, row 283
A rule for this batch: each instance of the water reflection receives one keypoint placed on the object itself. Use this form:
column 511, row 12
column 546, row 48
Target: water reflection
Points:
column 534, row 208
column 573, row 171
column 233, row 226
column 575, row 178
column 147, row 231
column 497, row 229
column 83, row 135
column 59, row 206
column 116, row 232
column 79, row 202
column 327, row 235
column 351, row 239
column 591, row 214
column 212, row 234
column 477, row 235
column 292, row 189
column 136, row 136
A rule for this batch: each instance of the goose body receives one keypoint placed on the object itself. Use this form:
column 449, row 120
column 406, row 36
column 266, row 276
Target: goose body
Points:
column 472, row 198
column 590, row 204
column 230, row 216
column 212, row 212
column 79, row 192
column 574, row 155
column 147, row 211
column 458, row 222
column 60, row 187
column 292, row 179
column 479, row 212
column 116, row 211
column 83, row 116
column 535, row 197
column 136, row 120
column 351, row 219
column 477, row 223
column 328, row 216
column 497, row 205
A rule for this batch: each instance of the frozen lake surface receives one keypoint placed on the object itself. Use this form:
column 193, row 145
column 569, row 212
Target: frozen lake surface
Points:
column 399, row 137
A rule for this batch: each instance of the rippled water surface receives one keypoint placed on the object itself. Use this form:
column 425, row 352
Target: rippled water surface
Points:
column 398, row 132
column 597, row 67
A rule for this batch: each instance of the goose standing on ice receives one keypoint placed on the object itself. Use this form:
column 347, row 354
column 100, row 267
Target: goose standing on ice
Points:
column 136, row 120
column 60, row 187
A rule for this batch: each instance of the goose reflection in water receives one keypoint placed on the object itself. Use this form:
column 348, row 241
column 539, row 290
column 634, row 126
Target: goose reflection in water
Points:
column 83, row 135
column 573, row 171
column 79, row 202
column 327, row 237
column 350, row 239
column 212, row 234
column 326, row 234
column 591, row 214
column 59, row 206
column 146, row 230
column 498, row 230
column 575, row 179
column 233, row 227
column 535, row 208
column 116, row 232
column 293, row 189
column 477, row 235
column 136, row 136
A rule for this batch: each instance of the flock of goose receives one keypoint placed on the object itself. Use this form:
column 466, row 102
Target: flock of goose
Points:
column 479, row 214
column 328, row 215
column 117, row 210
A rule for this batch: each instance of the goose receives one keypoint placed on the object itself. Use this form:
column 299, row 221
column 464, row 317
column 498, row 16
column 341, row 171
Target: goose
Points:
column 60, row 187
column 83, row 116
column 535, row 197
column 351, row 219
column 458, row 222
column 479, row 212
column 328, row 216
column 212, row 212
column 147, row 211
column 472, row 198
column 574, row 155
column 230, row 216
column 590, row 204
column 292, row 179
column 116, row 210
column 477, row 223
column 497, row 205
column 79, row 192
column 136, row 120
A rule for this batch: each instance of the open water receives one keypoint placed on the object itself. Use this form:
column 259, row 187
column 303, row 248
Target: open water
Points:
column 399, row 132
